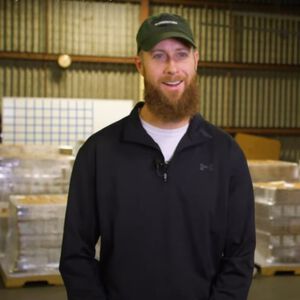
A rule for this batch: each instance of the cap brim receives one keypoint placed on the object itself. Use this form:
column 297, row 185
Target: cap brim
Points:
column 156, row 38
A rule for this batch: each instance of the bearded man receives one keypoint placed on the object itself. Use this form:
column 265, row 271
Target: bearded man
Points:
column 168, row 193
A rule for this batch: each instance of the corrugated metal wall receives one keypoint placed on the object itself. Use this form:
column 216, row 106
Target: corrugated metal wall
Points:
column 211, row 29
column 290, row 148
column 232, row 98
column 274, row 2
column 250, row 98
column 232, row 36
column 74, row 27
column 81, row 80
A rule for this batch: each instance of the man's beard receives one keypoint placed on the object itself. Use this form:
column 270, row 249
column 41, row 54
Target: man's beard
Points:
column 172, row 110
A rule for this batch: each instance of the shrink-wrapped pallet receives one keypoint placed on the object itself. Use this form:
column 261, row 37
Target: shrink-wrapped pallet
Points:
column 35, row 233
column 4, row 192
column 36, row 176
column 277, row 213
column 36, row 151
column 3, row 227
column 28, row 170
column 277, row 192
column 273, row 170
column 282, row 225
column 282, row 248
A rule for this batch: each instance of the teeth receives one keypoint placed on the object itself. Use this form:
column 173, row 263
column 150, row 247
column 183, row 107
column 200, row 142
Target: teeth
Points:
column 172, row 82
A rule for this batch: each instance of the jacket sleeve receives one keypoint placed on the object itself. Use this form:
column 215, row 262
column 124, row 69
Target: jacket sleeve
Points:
column 236, row 267
column 78, row 266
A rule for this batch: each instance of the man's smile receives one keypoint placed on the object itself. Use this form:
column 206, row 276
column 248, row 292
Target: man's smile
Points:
column 173, row 83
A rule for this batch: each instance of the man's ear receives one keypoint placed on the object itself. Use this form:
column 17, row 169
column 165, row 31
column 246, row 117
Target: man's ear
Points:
column 139, row 64
column 196, row 58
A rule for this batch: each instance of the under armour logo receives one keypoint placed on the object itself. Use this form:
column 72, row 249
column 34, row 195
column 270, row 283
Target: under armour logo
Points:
column 204, row 167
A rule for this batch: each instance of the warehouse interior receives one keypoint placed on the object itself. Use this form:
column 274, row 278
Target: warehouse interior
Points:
column 67, row 70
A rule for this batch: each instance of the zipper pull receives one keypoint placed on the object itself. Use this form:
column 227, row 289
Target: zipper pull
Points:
column 161, row 169
column 165, row 176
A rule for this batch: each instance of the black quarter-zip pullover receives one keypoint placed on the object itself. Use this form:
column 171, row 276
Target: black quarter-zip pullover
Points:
column 182, row 231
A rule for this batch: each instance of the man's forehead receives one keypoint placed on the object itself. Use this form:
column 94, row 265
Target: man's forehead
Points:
column 173, row 44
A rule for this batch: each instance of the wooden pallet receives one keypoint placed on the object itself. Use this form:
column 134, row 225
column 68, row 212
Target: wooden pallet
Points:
column 270, row 269
column 18, row 280
column 278, row 270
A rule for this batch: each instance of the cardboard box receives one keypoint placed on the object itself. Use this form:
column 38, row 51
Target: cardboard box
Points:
column 255, row 147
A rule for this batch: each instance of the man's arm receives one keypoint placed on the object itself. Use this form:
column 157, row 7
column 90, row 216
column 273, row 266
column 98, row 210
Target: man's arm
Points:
column 78, row 266
column 236, row 269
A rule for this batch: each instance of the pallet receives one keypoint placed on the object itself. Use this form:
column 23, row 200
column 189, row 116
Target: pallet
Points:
column 18, row 280
column 270, row 269
column 278, row 270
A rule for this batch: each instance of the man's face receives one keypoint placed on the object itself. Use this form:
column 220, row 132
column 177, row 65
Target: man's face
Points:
column 169, row 71
column 169, row 66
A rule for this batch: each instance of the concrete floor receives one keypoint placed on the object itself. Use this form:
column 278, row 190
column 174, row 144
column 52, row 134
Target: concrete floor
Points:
column 281, row 287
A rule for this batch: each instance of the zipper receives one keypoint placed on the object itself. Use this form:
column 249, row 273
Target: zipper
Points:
column 161, row 167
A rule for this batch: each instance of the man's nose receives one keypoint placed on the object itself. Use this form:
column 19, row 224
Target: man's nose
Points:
column 171, row 67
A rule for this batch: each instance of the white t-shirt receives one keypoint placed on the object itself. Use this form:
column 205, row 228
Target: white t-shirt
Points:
column 167, row 139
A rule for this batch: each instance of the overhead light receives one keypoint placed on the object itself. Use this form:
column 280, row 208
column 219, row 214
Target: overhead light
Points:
column 64, row 60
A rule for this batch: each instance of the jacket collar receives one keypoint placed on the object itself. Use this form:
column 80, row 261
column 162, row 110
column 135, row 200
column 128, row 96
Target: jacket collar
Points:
column 197, row 133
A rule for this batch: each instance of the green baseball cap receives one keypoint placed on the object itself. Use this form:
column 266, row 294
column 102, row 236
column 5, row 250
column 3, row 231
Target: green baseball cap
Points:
column 160, row 27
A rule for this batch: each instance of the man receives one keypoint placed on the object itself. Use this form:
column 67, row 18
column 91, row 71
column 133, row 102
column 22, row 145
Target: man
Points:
column 168, row 193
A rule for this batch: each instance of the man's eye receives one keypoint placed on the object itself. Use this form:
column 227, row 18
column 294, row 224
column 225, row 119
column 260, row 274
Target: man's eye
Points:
column 182, row 54
column 158, row 56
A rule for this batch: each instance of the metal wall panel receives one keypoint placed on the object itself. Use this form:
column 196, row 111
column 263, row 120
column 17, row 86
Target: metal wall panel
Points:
column 250, row 99
column 268, row 38
column 290, row 148
column 22, row 25
column 211, row 29
column 271, row 2
column 74, row 27
column 233, row 36
column 24, row 79
column 216, row 99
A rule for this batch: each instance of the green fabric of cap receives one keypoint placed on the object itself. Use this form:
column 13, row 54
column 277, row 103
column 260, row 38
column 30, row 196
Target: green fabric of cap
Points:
column 161, row 27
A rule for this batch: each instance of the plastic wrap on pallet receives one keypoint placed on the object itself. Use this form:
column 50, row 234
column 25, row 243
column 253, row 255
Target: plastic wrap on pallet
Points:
column 4, row 192
column 277, row 216
column 273, row 170
column 283, row 248
column 273, row 211
column 277, row 192
column 36, row 151
column 3, row 226
column 31, row 169
column 277, row 207
column 36, row 176
column 35, row 233
column 278, row 225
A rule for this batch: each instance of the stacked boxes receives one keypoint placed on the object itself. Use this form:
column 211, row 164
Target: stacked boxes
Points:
column 4, row 192
column 273, row 170
column 29, row 170
column 30, row 176
column 277, row 207
column 35, row 176
column 277, row 211
column 35, row 233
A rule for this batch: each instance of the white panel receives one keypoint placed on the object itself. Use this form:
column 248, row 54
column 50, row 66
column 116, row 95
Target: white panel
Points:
column 58, row 120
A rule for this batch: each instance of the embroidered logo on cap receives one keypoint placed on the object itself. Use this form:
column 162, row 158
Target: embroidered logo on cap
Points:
column 165, row 22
